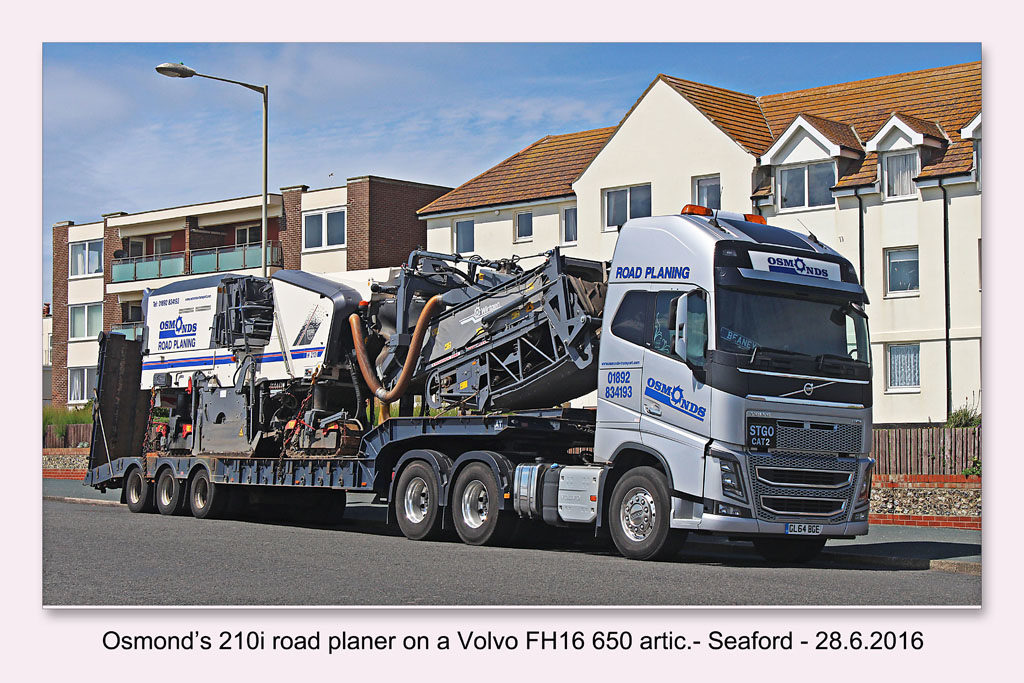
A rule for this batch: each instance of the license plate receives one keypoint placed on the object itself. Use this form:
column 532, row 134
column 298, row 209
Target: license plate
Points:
column 760, row 434
column 803, row 529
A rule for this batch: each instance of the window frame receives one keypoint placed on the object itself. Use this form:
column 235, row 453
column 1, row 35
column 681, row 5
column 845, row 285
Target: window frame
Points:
column 136, row 240
column 695, row 189
column 806, row 206
column 248, row 230
column 324, row 246
column 516, row 238
column 85, row 369
column 629, row 204
column 455, row 235
column 884, row 174
column 900, row 293
column 170, row 240
column 901, row 389
column 71, row 259
column 562, row 241
column 86, row 306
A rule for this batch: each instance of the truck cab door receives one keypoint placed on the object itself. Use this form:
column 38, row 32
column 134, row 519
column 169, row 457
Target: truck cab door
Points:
column 675, row 411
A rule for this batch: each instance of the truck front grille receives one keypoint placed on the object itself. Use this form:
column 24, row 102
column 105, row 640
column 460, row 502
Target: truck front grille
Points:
column 827, row 437
column 798, row 486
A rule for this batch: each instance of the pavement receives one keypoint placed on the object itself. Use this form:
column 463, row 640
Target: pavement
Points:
column 898, row 547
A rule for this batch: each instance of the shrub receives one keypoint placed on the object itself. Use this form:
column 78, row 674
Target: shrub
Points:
column 966, row 415
column 60, row 418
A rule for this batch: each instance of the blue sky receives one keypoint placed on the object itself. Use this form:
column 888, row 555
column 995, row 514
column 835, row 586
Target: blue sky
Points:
column 117, row 136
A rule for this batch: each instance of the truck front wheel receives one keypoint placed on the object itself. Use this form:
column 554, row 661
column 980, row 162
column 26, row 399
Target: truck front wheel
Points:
column 417, row 502
column 476, row 507
column 640, row 516
column 138, row 492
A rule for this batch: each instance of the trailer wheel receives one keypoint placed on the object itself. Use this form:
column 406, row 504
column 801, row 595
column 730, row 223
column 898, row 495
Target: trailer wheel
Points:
column 418, row 502
column 138, row 493
column 476, row 507
column 789, row 550
column 640, row 516
column 206, row 499
column 170, row 494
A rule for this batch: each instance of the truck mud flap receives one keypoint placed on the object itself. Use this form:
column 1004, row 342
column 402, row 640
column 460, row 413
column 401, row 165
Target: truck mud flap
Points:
column 119, row 404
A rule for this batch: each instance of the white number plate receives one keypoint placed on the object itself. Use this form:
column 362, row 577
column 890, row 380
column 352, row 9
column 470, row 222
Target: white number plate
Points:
column 804, row 529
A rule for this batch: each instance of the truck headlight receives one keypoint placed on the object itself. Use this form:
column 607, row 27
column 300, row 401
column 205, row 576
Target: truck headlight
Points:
column 732, row 479
column 864, row 494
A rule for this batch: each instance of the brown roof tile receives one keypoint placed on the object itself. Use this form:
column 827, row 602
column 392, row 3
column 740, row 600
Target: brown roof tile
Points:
column 929, row 128
column 736, row 113
column 547, row 168
column 858, row 175
column 841, row 134
column 958, row 158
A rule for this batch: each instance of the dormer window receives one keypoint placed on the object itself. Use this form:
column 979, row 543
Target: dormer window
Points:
column 806, row 186
column 899, row 170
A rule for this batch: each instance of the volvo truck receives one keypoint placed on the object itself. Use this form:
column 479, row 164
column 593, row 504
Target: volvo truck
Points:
column 726, row 365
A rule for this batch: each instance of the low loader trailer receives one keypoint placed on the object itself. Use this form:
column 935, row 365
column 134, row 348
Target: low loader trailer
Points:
column 730, row 359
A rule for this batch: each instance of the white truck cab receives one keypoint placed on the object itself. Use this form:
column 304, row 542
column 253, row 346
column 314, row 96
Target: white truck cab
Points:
column 736, row 354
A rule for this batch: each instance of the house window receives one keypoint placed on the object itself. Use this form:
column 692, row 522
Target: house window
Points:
column 464, row 236
column 162, row 245
column 569, row 226
column 85, row 321
column 81, row 384
column 806, row 186
column 627, row 202
column 86, row 258
column 136, row 248
column 250, row 235
column 904, row 366
column 708, row 192
column 899, row 170
column 524, row 226
column 131, row 312
column 901, row 270
column 323, row 229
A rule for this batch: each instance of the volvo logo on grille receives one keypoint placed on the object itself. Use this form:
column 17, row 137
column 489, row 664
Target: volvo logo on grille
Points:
column 808, row 388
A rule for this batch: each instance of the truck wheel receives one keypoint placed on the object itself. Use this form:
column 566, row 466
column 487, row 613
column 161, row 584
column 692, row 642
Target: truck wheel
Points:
column 170, row 494
column 417, row 502
column 206, row 499
column 138, row 493
column 640, row 516
column 789, row 550
column 476, row 507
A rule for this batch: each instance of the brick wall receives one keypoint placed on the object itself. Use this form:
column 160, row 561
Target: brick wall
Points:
column 290, row 233
column 59, row 357
column 385, row 231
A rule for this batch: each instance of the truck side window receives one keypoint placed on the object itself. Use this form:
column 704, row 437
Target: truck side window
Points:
column 630, row 322
column 697, row 322
column 664, row 334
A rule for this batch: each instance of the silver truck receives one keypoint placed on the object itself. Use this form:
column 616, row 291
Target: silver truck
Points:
column 730, row 359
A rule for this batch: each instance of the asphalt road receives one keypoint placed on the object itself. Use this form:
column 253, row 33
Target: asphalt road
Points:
column 102, row 555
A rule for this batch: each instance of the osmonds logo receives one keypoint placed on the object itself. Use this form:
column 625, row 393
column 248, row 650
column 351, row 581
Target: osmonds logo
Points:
column 171, row 329
column 794, row 265
column 674, row 397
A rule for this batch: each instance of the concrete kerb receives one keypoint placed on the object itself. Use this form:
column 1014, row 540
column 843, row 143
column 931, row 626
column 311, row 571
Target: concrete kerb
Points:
column 832, row 556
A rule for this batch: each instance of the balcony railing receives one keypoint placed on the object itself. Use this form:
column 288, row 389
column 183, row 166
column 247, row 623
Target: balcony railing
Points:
column 148, row 267
column 235, row 257
column 131, row 330
column 196, row 261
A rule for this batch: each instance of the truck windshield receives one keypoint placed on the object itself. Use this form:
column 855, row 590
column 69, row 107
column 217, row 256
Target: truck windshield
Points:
column 771, row 323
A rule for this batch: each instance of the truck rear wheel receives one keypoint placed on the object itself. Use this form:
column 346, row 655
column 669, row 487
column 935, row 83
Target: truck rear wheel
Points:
column 170, row 493
column 206, row 499
column 640, row 516
column 476, row 508
column 138, row 492
column 796, row 550
column 417, row 502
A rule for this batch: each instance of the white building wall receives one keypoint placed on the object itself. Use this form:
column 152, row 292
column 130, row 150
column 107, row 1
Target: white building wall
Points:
column 325, row 259
column 494, row 230
column 666, row 142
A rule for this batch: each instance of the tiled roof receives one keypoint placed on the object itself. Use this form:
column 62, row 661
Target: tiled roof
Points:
column 841, row 134
column 929, row 128
column 859, row 175
column 736, row 113
column 958, row 158
column 547, row 168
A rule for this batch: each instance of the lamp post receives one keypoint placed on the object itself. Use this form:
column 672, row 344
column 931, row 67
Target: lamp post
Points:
column 182, row 71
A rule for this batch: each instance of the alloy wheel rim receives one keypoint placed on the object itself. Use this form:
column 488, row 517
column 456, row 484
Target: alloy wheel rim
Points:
column 417, row 500
column 475, row 504
column 638, row 514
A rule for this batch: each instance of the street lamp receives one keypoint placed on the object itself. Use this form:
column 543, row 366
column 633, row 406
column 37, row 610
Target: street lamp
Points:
column 182, row 71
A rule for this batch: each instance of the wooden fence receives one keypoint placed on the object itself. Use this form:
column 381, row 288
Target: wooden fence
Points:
column 925, row 450
column 73, row 436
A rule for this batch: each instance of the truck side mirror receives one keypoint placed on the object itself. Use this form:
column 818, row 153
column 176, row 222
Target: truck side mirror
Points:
column 679, row 326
